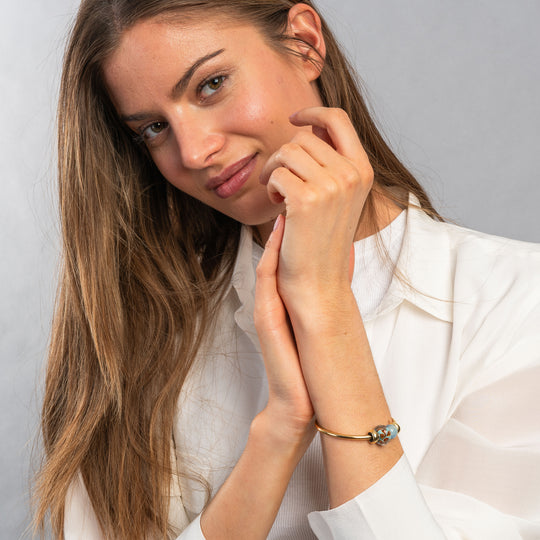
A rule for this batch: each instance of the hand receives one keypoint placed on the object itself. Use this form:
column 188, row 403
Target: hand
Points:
column 289, row 404
column 323, row 178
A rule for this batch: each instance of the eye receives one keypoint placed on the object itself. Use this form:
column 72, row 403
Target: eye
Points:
column 211, row 86
column 151, row 132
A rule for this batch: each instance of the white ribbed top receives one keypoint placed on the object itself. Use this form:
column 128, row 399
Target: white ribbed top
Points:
column 373, row 268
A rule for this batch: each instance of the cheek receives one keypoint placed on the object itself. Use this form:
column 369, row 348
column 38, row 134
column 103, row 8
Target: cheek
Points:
column 247, row 115
column 168, row 162
column 165, row 161
column 263, row 115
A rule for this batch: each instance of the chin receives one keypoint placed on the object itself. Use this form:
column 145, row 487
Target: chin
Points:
column 261, row 218
column 257, row 211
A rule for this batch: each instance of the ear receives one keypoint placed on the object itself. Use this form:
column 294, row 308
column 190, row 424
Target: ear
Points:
column 305, row 25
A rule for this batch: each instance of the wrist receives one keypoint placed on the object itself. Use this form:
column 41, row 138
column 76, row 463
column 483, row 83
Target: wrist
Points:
column 289, row 438
column 312, row 281
column 317, row 309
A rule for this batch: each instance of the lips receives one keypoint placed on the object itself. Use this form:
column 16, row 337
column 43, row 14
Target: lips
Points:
column 231, row 179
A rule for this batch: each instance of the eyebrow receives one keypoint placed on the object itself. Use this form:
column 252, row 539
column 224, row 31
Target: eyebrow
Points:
column 182, row 84
column 179, row 88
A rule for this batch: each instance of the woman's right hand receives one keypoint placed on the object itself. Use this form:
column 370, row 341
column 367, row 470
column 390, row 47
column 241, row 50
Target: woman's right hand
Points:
column 289, row 408
column 247, row 503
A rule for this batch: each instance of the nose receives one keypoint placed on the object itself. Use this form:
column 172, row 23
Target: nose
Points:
column 198, row 140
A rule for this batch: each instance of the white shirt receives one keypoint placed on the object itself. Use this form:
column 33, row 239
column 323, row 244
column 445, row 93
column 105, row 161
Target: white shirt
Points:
column 458, row 355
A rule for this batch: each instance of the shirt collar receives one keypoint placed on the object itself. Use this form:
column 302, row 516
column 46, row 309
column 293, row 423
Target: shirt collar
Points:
column 424, row 275
column 243, row 282
column 424, row 270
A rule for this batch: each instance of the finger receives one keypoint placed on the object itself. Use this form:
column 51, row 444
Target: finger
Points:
column 304, row 155
column 301, row 158
column 285, row 186
column 271, row 321
column 269, row 310
column 337, row 124
column 323, row 135
column 351, row 263
column 267, row 267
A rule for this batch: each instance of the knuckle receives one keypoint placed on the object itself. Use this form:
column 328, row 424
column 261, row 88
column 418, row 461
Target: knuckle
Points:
column 368, row 174
column 280, row 173
column 279, row 156
column 339, row 113
column 331, row 189
column 309, row 199
column 349, row 175
column 288, row 150
column 301, row 138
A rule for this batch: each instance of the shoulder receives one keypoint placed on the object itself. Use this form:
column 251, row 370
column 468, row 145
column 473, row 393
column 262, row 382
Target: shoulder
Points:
column 499, row 265
column 473, row 257
column 496, row 298
column 486, row 286
column 464, row 239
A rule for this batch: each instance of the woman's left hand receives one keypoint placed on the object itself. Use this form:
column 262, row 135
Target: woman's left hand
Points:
column 324, row 178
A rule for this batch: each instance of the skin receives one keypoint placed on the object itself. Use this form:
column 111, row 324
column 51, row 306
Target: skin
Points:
column 308, row 164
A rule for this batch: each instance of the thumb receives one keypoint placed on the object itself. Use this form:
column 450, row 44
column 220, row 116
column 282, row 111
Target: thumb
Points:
column 351, row 263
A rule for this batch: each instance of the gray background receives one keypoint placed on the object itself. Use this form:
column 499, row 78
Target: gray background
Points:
column 454, row 85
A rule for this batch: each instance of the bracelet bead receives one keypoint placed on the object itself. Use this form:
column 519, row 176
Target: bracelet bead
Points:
column 385, row 434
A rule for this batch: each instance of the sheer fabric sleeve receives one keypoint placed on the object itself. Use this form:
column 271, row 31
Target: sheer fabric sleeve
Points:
column 480, row 477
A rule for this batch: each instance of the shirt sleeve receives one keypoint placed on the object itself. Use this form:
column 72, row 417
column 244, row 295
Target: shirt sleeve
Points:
column 193, row 531
column 386, row 510
column 480, row 477
column 81, row 523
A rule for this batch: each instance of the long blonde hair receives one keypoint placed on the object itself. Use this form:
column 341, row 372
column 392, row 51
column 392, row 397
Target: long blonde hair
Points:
column 143, row 266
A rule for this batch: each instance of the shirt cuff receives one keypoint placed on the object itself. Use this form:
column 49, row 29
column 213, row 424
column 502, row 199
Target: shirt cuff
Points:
column 393, row 507
column 193, row 531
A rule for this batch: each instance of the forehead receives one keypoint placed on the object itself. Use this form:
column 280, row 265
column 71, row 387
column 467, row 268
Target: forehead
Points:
column 164, row 42
column 153, row 54
column 186, row 38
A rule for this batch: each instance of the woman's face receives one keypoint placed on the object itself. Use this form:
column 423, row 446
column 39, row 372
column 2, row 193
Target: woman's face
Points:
column 211, row 101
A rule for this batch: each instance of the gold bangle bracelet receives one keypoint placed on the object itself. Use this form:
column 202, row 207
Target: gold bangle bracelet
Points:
column 380, row 435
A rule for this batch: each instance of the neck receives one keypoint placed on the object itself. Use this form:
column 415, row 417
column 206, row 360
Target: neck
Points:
column 384, row 212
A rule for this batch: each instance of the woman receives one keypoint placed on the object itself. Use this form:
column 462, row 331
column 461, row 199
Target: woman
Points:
column 183, row 396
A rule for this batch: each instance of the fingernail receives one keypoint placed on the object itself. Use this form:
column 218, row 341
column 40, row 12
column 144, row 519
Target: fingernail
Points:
column 276, row 223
